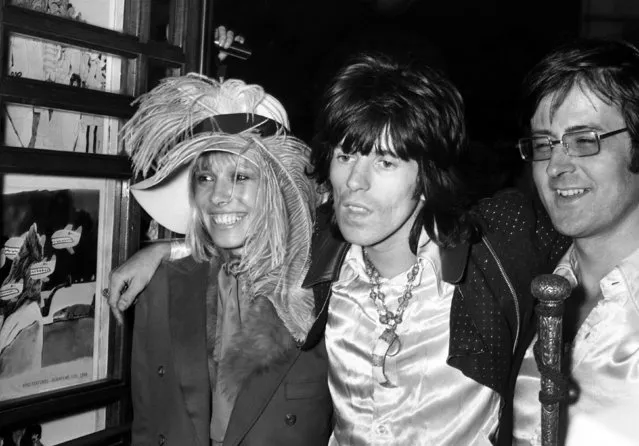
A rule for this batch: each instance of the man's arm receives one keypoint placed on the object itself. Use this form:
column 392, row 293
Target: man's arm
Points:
column 129, row 279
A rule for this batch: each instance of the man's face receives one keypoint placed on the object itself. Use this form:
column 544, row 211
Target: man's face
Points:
column 226, row 188
column 592, row 196
column 374, row 197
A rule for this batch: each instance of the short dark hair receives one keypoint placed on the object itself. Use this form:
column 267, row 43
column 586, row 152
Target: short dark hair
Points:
column 608, row 68
column 378, row 95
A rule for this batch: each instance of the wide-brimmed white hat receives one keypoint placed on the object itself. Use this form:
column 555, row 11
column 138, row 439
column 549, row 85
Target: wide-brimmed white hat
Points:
column 165, row 195
column 182, row 110
column 187, row 116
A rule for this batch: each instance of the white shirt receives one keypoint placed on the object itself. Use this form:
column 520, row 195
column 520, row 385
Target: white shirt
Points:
column 605, row 353
column 430, row 402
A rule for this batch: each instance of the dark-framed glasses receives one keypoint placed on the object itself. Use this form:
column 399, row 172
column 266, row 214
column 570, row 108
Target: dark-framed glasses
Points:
column 581, row 143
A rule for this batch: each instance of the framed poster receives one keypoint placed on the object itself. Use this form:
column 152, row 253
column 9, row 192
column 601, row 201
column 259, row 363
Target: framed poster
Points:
column 55, row 256
column 70, row 71
column 50, row 61
column 33, row 127
column 107, row 14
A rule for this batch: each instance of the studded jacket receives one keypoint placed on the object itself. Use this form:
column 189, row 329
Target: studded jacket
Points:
column 491, row 320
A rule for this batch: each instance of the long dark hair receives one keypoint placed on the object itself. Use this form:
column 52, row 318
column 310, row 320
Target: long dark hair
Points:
column 376, row 96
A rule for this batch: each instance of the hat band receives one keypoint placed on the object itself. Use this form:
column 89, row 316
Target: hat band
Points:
column 234, row 123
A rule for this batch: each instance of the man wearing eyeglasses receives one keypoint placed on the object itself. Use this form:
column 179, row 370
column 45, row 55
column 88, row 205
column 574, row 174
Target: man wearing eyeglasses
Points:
column 582, row 107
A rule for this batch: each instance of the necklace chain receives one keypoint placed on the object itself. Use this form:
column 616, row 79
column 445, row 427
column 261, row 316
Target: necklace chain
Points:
column 387, row 317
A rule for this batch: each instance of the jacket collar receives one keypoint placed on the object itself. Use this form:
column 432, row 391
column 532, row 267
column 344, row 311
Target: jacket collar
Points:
column 329, row 250
column 454, row 261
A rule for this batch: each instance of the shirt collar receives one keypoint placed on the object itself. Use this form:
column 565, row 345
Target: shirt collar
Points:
column 619, row 283
column 567, row 267
column 427, row 253
column 626, row 275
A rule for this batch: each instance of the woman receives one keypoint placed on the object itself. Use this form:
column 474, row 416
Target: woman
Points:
column 214, row 345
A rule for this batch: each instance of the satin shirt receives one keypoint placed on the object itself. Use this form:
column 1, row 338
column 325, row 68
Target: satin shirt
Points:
column 429, row 402
column 605, row 353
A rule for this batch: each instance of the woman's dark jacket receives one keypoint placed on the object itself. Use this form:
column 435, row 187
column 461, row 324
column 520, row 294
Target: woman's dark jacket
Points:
column 283, row 399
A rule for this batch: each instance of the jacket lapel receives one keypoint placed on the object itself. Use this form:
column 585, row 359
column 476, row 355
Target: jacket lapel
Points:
column 254, row 396
column 329, row 250
column 454, row 261
column 187, row 290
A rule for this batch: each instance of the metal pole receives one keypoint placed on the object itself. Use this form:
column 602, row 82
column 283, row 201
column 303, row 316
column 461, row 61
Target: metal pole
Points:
column 203, row 36
column 551, row 291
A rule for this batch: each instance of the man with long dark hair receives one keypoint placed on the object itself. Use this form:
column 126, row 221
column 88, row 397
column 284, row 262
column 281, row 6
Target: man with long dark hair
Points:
column 426, row 304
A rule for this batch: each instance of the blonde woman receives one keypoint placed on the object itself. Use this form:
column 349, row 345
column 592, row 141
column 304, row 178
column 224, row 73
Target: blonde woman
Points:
column 215, row 354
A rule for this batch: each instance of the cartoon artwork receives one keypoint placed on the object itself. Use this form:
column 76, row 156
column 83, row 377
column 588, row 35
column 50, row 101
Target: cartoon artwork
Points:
column 22, row 325
column 43, row 269
column 11, row 290
column 66, row 238
column 30, row 253
column 47, row 291
column 12, row 246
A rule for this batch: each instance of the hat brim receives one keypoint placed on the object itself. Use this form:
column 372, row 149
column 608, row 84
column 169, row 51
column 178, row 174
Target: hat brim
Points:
column 166, row 200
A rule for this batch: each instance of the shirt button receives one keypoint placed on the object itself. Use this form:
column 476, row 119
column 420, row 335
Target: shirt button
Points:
column 161, row 370
column 290, row 419
column 382, row 430
column 161, row 440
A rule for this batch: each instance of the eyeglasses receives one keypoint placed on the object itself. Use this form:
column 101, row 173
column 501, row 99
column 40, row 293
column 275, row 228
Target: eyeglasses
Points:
column 582, row 143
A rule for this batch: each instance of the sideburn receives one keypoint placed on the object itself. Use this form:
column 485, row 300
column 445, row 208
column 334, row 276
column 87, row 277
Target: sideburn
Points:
column 634, row 157
column 415, row 231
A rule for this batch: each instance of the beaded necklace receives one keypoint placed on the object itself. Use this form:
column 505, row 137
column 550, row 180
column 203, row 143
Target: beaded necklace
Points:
column 388, row 344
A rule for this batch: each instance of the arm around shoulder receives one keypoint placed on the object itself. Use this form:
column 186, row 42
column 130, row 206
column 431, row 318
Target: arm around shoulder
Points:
column 128, row 280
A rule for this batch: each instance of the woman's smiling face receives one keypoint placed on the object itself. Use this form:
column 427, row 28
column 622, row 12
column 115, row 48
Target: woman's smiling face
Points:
column 226, row 188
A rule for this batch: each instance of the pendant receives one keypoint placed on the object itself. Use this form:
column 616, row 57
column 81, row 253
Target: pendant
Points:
column 395, row 347
column 392, row 340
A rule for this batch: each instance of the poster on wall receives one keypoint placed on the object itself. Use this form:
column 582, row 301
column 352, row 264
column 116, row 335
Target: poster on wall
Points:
column 54, row 256
column 103, row 13
column 33, row 127
column 50, row 61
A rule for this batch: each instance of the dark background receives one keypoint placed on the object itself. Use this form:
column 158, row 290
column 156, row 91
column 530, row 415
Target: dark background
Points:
column 485, row 46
